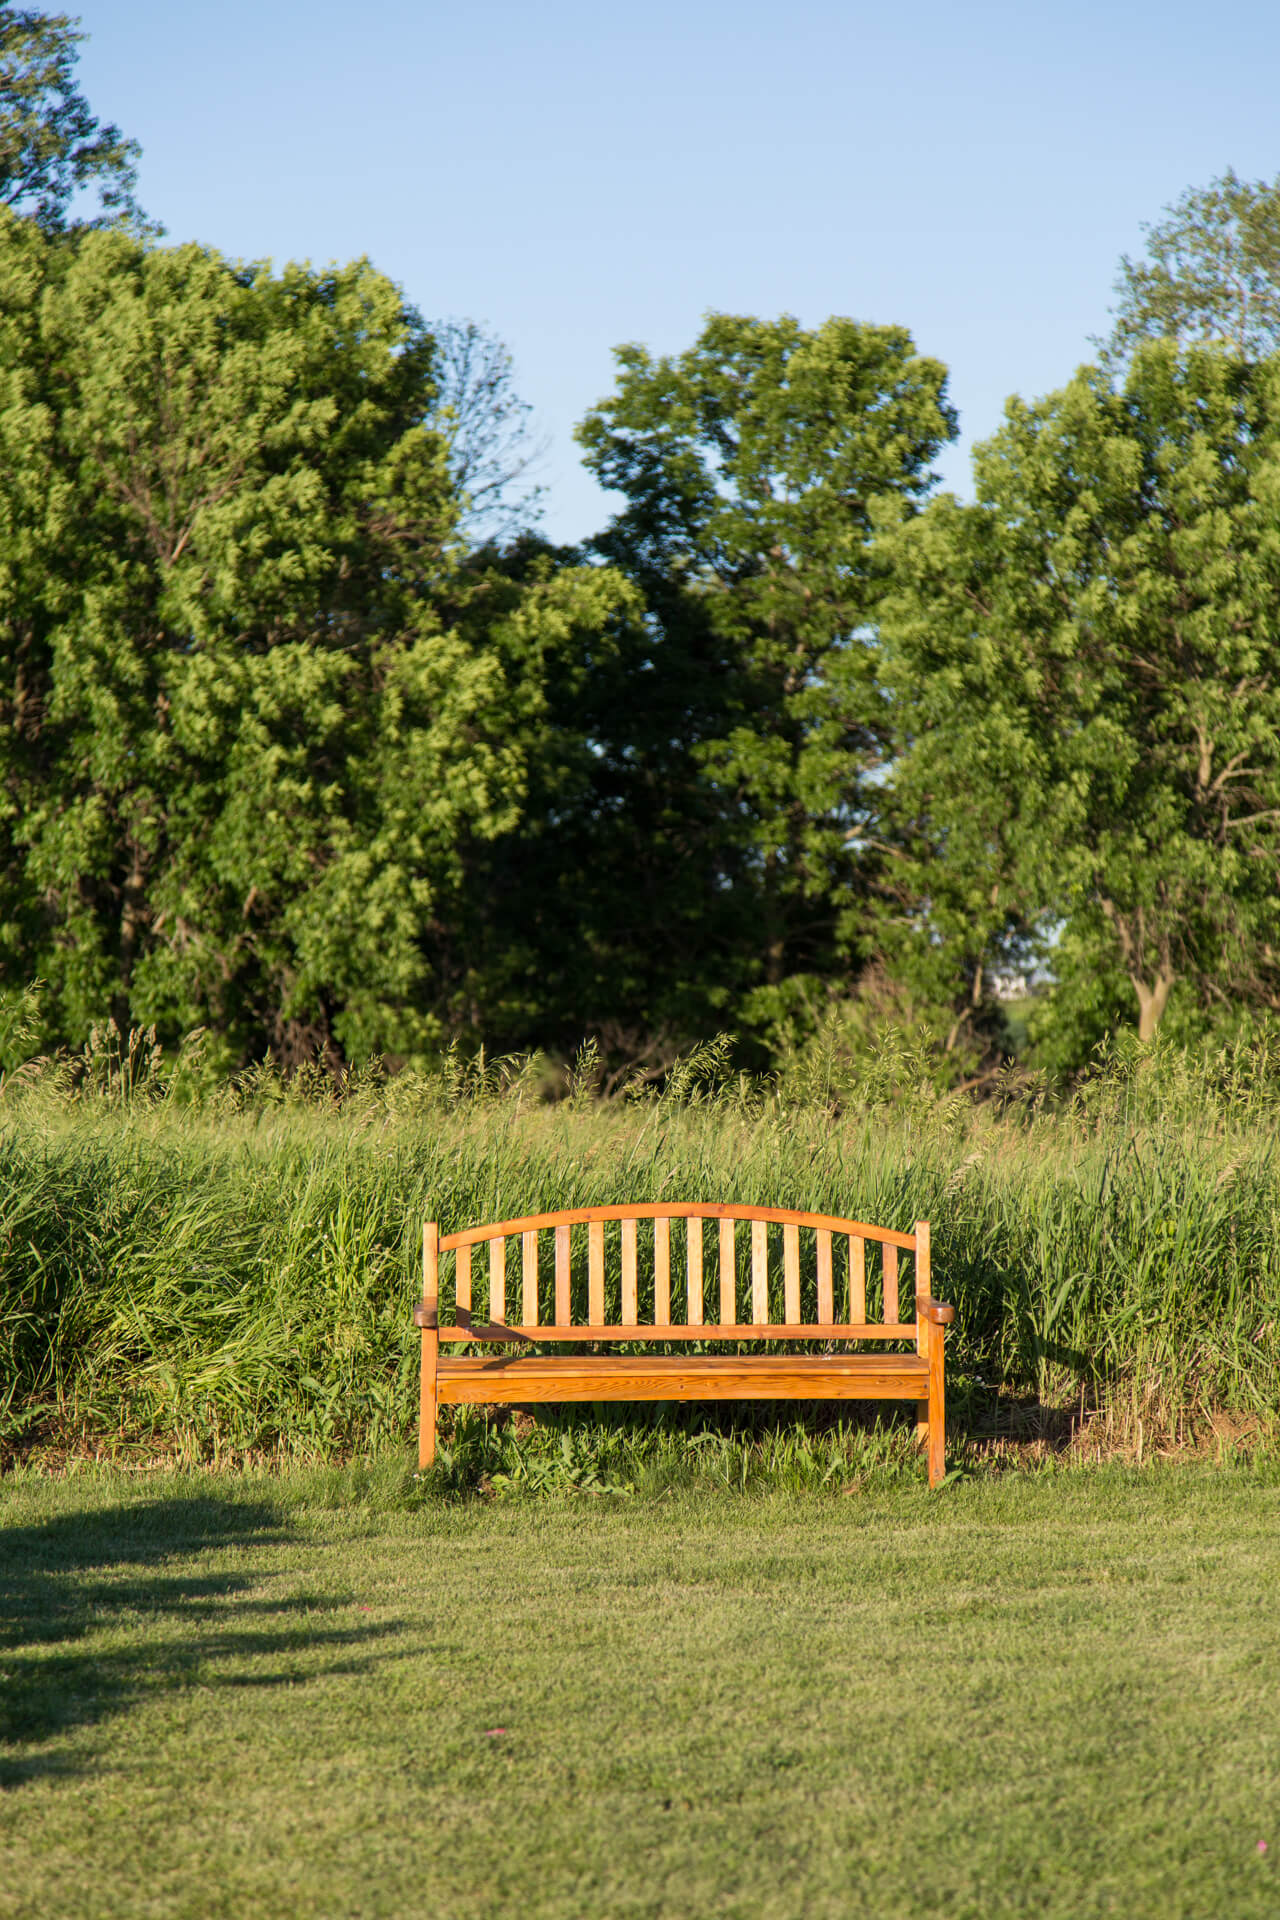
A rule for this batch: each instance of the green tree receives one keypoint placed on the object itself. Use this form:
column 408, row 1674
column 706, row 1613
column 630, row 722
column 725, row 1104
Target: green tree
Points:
column 760, row 470
column 1211, row 275
column 242, row 747
column 51, row 146
column 1087, row 666
column 493, row 450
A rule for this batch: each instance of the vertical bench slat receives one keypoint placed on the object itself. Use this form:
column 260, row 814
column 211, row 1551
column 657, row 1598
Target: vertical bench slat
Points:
column 728, row 1273
column 662, row 1273
column 759, row 1272
column 462, row 1280
column 629, row 1303
column 890, row 1255
column 857, row 1280
column 498, row 1282
column 595, row 1273
column 826, row 1305
column 529, row 1277
column 564, row 1315
column 693, row 1266
column 791, row 1275
column 430, row 1364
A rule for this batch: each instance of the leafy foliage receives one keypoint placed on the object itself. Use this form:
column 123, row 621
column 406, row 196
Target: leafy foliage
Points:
column 1211, row 275
column 51, row 146
column 1089, row 660
column 760, row 469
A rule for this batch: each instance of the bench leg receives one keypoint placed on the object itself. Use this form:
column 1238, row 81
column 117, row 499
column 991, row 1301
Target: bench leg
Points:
column 922, row 1425
column 427, row 1402
column 937, row 1408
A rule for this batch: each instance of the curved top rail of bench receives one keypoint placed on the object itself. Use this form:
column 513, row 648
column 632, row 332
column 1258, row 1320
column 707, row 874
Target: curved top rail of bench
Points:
column 678, row 1210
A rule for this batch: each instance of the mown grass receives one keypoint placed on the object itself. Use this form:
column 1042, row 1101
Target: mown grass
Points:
column 329, row 1693
column 215, row 1273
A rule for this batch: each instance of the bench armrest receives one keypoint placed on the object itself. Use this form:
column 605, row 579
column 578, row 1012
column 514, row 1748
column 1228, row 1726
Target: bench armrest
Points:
column 935, row 1310
column 429, row 1317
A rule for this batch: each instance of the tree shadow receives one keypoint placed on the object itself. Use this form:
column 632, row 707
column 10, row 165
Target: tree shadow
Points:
column 64, row 1580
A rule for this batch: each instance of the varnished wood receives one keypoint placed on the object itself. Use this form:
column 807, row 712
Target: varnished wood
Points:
column 791, row 1272
column 630, row 1306
column 661, row 1271
column 669, row 1377
column 562, row 1275
column 826, row 1304
column 728, row 1273
column 924, row 1264
column 709, row 1330
column 526, row 1369
column 693, row 1270
column 595, row 1273
column 857, row 1277
column 498, row 1281
column 759, row 1271
column 529, row 1278
column 429, row 1369
column 890, row 1258
column 678, row 1210
column 937, row 1405
column 923, row 1325
column 473, row 1330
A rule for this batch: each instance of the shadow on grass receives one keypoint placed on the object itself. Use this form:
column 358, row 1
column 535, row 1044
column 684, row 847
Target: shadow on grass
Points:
column 105, row 1574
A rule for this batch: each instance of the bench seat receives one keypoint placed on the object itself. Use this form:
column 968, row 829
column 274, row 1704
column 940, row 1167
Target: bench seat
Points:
column 511, row 1380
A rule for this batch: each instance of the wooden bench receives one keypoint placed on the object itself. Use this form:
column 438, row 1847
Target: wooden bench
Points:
column 842, row 1288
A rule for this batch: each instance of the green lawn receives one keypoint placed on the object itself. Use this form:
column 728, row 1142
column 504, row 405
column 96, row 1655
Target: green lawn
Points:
column 1051, row 1695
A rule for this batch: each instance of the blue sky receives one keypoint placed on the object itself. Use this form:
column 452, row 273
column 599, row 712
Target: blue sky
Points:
column 576, row 175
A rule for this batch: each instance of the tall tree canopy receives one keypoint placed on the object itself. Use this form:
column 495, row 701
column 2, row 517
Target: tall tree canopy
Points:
column 1090, row 660
column 51, row 146
column 1211, row 274
column 761, row 469
column 241, row 747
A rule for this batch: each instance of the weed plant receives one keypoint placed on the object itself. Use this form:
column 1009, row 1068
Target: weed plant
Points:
column 221, row 1270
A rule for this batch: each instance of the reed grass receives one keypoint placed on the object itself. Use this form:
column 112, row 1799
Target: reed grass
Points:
column 216, row 1271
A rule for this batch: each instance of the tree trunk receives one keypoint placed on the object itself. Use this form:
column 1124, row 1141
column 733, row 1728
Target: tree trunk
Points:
column 1153, row 997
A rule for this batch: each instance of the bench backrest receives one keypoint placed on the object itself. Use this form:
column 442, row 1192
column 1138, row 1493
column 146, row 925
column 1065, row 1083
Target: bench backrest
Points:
column 834, row 1280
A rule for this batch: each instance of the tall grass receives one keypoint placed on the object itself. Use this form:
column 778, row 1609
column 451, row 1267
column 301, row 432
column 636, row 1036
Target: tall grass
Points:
column 215, row 1270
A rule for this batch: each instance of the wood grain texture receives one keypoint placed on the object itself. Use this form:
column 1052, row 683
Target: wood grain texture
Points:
column 791, row 1272
column 711, row 1330
column 759, row 1271
column 678, row 1210
column 630, row 1307
column 922, row 1426
column 427, row 1398
column 498, row 1281
column 551, row 1377
column 529, row 1278
column 826, row 1303
column 525, row 1371
column 937, row 1407
column 661, row 1272
column 563, row 1310
column 595, row 1273
column 728, row 1273
column 857, row 1278
column 693, row 1270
